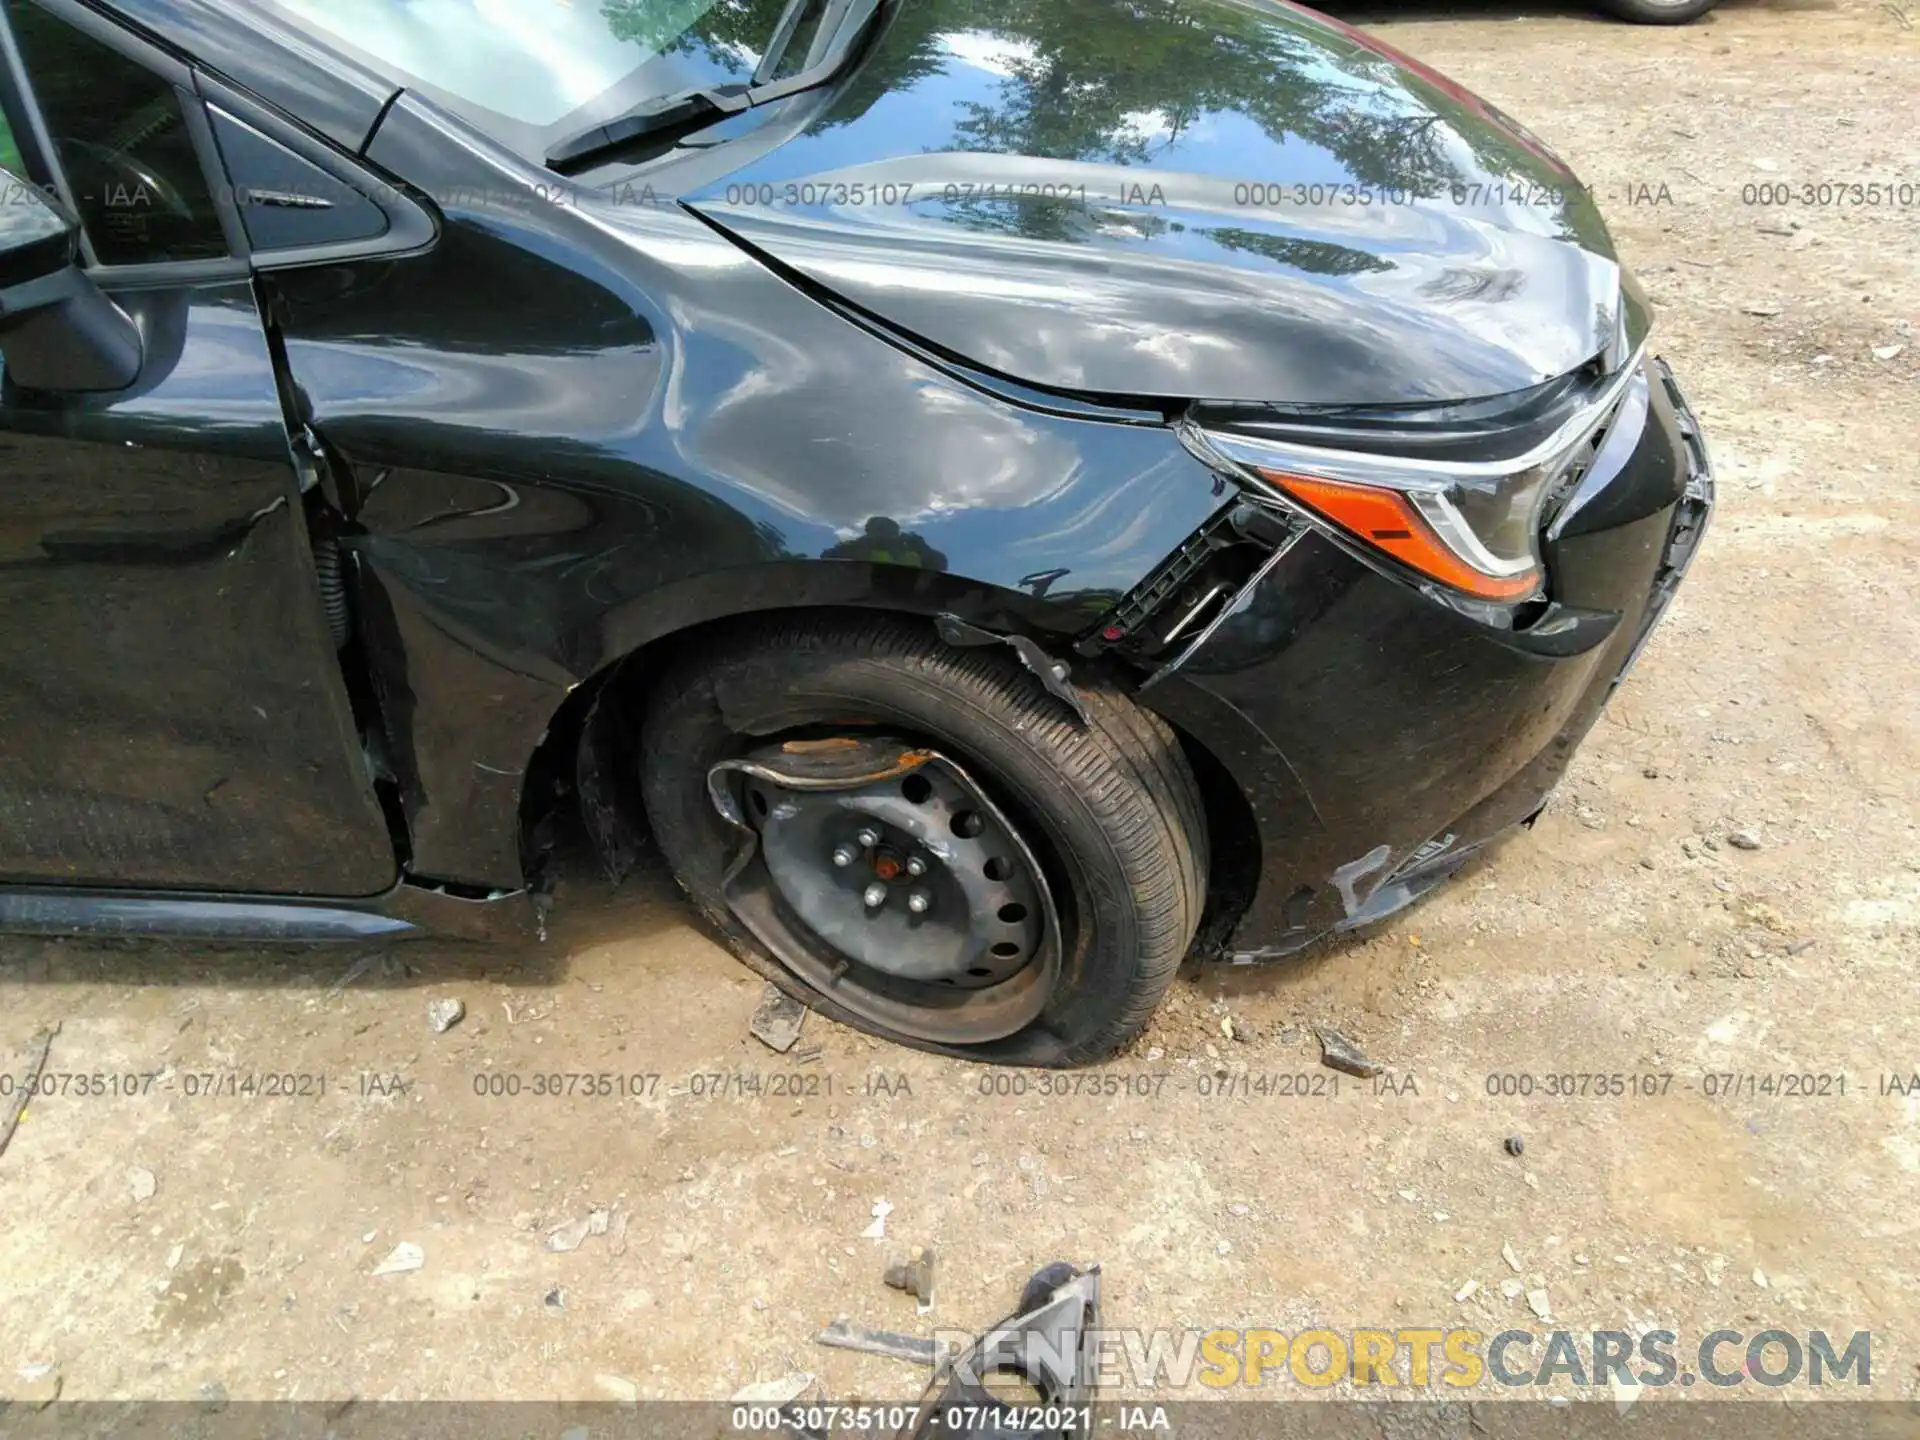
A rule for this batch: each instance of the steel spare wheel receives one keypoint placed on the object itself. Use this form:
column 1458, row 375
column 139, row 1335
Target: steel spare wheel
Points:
column 881, row 874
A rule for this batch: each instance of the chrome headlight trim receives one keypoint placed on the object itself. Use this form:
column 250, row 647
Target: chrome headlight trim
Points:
column 1365, row 467
column 1430, row 486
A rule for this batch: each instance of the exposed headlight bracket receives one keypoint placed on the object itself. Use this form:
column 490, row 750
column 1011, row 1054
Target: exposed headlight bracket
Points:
column 1193, row 588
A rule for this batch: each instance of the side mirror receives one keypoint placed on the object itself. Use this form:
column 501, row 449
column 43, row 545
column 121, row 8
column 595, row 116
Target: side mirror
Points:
column 57, row 330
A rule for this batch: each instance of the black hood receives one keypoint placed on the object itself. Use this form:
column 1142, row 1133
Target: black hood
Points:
column 1208, row 200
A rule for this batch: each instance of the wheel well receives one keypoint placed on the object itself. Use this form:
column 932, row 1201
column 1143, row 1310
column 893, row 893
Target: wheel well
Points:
column 583, row 765
column 580, row 766
column 1233, row 847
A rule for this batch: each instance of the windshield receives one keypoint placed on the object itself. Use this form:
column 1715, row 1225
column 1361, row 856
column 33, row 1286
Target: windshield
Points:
column 530, row 70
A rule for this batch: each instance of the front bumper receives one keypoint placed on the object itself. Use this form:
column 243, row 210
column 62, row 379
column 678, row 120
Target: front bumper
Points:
column 1379, row 738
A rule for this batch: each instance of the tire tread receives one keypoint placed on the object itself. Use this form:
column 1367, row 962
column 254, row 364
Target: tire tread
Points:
column 1126, row 765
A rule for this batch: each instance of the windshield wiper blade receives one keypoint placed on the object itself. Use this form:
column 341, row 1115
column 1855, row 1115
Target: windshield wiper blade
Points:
column 784, row 29
column 689, row 109
column 681, row 110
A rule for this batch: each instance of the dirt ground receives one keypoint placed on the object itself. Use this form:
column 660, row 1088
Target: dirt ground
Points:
column 160, row 1243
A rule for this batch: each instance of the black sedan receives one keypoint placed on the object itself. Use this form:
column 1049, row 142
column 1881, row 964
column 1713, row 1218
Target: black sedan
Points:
column 1009, row 494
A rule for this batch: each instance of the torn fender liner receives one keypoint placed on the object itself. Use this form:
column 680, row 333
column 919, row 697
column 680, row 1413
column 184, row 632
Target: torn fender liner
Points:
column 609, row 792
column 1052, row 673
column 1347, row 877
column 1047, row 1343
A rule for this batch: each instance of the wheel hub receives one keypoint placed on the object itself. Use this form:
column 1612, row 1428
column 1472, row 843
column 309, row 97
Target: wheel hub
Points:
column 883, row 874
column 909, row 874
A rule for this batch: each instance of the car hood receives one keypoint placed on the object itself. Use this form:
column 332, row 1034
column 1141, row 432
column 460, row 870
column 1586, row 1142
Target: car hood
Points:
column 1205, row 200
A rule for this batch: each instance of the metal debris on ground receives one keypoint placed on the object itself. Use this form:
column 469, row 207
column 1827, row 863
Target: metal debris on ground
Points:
column 1047, row 1343
column 26, row 1078
column 443, row 1015
column 843, row 1334
column 914, row 1275
column 774, row 1392
column 567, row 1237
column 406, row 1256
column 1337, row 1052
column 1514, row 1145
column 776, row 1021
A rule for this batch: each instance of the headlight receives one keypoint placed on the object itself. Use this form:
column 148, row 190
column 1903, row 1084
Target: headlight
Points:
column 1474, row 526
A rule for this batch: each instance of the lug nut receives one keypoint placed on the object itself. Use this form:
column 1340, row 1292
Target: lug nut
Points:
column 868, row 838
column 875, row 895
column 919, row 902
column 844, row 855
column 916, row 867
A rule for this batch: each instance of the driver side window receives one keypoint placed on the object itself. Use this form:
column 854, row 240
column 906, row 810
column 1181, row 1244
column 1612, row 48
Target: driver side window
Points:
column 123, row 142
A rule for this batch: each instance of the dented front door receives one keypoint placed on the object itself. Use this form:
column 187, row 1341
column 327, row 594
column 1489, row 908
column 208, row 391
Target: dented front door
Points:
column 172, row 713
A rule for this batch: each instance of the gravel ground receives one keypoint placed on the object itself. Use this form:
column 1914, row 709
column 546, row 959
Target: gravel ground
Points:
column 1726, row 886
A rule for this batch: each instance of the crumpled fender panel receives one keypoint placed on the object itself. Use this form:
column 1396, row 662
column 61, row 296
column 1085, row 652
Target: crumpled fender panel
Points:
column 644, row 430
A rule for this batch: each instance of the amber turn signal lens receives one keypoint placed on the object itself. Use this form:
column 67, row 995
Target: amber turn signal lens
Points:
column 1386, row 520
